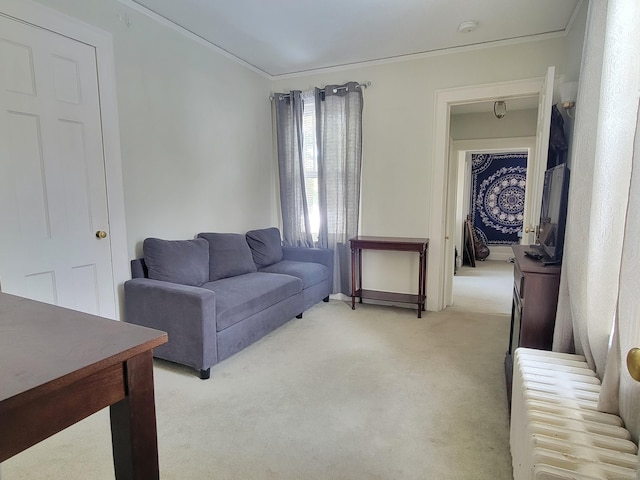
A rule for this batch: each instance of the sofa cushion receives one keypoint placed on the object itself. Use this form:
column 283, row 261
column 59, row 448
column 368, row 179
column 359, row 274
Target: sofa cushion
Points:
column 229, row 255
column 266, row 246
column 241, row 296
column 178, row 261
column 310, row 273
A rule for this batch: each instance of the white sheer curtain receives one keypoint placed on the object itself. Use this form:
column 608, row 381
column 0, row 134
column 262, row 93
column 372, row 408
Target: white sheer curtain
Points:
column 621, row 394
column 599, row 198
column 339, row 126
column 296, row 227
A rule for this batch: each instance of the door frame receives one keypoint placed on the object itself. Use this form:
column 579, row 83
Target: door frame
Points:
column 440, row 243
column 40, row 16
column 459, row 149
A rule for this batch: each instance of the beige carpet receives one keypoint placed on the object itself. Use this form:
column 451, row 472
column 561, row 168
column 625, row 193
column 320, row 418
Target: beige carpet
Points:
column 374, row 393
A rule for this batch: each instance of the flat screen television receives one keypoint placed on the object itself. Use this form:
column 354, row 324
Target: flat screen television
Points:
column 553, row 214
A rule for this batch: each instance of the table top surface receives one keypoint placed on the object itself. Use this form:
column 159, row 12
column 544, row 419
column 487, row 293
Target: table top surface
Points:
column 390, row 240
column 44, row 345
column 531, row 265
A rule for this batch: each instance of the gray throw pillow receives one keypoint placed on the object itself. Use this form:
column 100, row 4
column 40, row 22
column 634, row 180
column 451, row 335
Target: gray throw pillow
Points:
column 229, row 255
column 266, row 246
column 178, row 261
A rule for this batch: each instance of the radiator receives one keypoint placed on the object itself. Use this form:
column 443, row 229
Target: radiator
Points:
column 556, row 431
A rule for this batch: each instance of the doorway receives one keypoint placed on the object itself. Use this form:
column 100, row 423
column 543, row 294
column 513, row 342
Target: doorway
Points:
column 487, row 285
column 61, row 199
column 443, row 212
column 487, row 288
column 461, row 158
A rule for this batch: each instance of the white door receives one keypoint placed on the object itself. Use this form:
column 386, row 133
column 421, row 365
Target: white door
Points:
column 52, row 179
column 537, row 167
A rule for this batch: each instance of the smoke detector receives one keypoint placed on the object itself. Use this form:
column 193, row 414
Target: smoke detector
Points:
column 468, row 26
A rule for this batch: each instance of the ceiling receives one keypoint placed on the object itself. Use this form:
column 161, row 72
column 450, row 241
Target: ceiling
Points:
column 284, row 37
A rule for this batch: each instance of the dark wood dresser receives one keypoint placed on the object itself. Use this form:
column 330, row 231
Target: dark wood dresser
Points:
column 533, row 311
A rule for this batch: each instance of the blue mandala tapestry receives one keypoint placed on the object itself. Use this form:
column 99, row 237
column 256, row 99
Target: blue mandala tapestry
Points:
column 498, row 183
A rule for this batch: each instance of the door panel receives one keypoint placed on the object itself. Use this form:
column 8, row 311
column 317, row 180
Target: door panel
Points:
column 20, row 78
column 536, row 169
column 53, row 190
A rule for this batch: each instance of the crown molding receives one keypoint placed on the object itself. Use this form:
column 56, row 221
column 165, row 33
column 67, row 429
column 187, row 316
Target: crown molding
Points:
column 192, row 36
column 422, row 55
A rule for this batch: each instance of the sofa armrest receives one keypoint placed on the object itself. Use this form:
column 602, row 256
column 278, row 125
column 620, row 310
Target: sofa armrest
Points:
column 323, row 256
column 186, row 313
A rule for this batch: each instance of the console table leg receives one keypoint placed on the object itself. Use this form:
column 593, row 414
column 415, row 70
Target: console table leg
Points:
column 424, row 281
column 360, row 274
column 353, row 279
column 420, row 278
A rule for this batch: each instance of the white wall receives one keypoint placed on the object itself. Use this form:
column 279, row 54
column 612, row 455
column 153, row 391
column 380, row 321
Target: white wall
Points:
column 398, row 137
column 516, row 123
column 195, row 130
column 196, row 134
column 575, row 43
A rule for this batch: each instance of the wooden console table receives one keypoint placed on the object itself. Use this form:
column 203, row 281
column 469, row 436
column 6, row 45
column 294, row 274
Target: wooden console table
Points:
column 60, row 366
column 418, row 245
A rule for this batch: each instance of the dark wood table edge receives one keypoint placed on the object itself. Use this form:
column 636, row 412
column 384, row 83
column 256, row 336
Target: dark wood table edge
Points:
column 84, row 372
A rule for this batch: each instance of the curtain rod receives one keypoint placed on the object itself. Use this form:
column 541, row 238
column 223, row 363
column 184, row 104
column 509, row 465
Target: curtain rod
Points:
column 335, row 90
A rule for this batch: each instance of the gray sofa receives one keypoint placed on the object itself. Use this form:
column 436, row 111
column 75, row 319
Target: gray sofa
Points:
column 220, row 292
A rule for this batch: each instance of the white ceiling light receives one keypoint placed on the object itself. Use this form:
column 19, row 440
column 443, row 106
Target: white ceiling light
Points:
column 468, row 26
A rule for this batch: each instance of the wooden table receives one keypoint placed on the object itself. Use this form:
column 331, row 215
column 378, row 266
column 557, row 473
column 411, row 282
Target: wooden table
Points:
column 59, row 366
column 418, row 245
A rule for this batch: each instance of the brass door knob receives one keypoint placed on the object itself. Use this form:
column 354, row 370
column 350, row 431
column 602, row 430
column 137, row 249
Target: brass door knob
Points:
column 101, row 234
column 528, row 230
column 633, row 363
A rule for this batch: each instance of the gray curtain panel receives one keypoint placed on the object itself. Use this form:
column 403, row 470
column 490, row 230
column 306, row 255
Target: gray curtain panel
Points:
column 296, row 230
column 338, row 139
